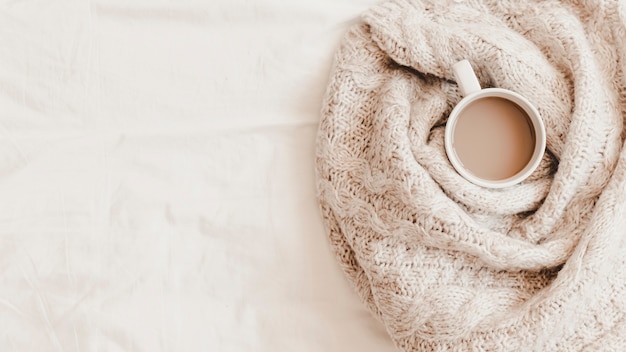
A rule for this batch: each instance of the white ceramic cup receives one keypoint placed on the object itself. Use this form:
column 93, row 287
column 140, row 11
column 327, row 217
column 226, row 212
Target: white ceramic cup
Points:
column 471, row 90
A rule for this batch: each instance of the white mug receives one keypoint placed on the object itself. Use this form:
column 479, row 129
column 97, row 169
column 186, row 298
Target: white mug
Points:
column 472, row 92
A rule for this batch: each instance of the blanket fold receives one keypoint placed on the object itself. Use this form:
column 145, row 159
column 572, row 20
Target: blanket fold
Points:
column 450, row 266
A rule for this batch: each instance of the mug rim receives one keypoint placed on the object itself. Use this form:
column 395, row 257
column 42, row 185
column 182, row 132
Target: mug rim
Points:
column 538, row 126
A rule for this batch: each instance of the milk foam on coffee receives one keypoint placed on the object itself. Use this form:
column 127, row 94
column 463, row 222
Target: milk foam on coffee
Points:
column 493, row 138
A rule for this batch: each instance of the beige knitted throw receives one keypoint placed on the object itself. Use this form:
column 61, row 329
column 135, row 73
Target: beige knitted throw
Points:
column 450, row 266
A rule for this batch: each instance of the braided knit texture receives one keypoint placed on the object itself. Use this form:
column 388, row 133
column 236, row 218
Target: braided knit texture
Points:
column 450, row 266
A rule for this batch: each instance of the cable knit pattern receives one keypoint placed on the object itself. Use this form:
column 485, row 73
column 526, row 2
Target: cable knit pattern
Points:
column 450, row 266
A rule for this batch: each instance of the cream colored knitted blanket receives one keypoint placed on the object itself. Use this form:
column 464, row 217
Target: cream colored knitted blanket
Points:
column 450, row 266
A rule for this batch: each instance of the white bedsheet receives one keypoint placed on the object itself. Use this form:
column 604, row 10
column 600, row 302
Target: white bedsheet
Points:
column 156, row 178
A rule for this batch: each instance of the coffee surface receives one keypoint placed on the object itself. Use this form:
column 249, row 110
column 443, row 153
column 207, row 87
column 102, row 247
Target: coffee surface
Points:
column 493, row 138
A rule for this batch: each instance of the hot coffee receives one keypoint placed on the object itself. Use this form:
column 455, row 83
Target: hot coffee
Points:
column 493, row 138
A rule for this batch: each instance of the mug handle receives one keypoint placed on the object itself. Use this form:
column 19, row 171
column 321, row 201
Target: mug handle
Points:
column 465, row 77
